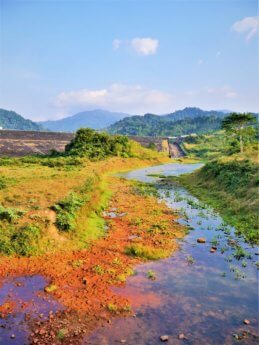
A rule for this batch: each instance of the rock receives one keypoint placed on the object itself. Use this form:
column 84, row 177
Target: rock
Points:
column 12, row 336
column 201, row 240
column 181, row 336
column 232, row 242
column 212, row 250
column 246, row 322
column 164, row 337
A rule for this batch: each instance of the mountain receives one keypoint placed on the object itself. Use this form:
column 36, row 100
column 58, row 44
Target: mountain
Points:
column 96, row 119
column 192, row 113
column 11, row 120
column 185, row 121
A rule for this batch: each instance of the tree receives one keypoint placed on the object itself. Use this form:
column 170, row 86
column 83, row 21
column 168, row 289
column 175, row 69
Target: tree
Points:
column 239, row 124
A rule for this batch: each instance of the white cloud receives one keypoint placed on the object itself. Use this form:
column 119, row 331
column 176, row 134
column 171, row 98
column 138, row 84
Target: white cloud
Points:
column 222, row 92
column 145, row 46
column 117, row 97
column 248, row 25
column 116, row 44
column 142, row 46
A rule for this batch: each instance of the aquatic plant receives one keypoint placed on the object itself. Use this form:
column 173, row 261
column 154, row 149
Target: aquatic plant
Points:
column 151, row 275
column 241, row 253
column 190, row 260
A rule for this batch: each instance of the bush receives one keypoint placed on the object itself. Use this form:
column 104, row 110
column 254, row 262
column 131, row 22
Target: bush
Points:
column 66, row 209
column 25, row 240
column 93, row 145
column 22, row 241
column 10, row 214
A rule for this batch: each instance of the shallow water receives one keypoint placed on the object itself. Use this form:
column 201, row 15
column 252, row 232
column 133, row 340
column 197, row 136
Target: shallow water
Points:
column 28, row 303
column 206, row 296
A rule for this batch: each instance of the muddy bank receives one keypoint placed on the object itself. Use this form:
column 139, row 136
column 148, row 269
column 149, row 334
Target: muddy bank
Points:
column 81, row 282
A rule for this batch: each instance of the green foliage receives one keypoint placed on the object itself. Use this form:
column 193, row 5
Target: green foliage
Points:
column 186, row 121
column 145, row 189
column 54, row 162
column 67, row 208
column 3, row 183
column 10, row 214
column 93, row 145
column 151, row 275
column 25, row 240
column 98, row 269
column 239, row 125
column 22, row 241
column 240, row 253
column 232, row 186
column 152, row 146
column 12, row 120
column 66, row 211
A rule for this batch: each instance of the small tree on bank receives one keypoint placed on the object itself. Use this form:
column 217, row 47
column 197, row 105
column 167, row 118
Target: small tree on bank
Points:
column 239, row 125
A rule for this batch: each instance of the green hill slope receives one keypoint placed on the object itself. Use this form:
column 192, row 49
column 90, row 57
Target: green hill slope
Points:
column 11, row 120
column 186, row 121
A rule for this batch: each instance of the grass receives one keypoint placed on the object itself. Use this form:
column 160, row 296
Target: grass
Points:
column 22, row 241
column 63, row 197
column 232, row 183
column 146, row 252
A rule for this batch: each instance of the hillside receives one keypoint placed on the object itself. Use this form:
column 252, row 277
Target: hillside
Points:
column 11, row 120
column 95, row 119
column 186, row 121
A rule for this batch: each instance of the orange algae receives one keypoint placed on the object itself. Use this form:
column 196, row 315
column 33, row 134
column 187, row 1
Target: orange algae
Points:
column 83, row 278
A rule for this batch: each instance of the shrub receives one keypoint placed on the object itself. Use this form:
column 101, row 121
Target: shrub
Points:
column 10, row 214
column 93, row 145
column 66, row 211
column 25, row 240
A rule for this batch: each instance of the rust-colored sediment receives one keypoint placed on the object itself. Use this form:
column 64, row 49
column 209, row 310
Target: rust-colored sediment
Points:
column 84, row 278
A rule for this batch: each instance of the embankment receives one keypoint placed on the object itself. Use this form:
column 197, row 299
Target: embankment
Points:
column 229, row 186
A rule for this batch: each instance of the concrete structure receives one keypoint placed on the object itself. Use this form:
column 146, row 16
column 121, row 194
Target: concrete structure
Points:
column 20, row 143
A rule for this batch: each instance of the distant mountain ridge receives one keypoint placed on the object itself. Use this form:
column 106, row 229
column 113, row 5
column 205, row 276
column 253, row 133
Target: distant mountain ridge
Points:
column 95, row 119
column 11, row 120
column 185, row 121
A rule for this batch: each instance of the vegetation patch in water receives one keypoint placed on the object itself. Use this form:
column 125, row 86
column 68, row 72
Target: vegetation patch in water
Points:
column 146, row 252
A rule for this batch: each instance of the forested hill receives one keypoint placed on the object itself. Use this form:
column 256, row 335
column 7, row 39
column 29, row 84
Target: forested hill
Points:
column 11, row 120
column 186, row 121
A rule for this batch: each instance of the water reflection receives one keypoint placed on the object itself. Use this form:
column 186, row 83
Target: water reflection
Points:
column 204, row 295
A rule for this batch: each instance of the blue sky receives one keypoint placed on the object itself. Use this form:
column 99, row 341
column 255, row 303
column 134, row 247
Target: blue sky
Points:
column 61, row 57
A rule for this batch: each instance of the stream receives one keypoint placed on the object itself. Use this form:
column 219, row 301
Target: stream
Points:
column 199, row 297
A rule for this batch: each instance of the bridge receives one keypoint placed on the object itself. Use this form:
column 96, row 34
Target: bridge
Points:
column 15, row 143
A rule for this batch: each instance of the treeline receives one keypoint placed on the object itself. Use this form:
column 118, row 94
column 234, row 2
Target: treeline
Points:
column 153, row 125
column 12, row 120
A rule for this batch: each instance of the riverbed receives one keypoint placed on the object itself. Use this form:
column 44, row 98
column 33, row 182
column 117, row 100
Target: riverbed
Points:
column 206, row 293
